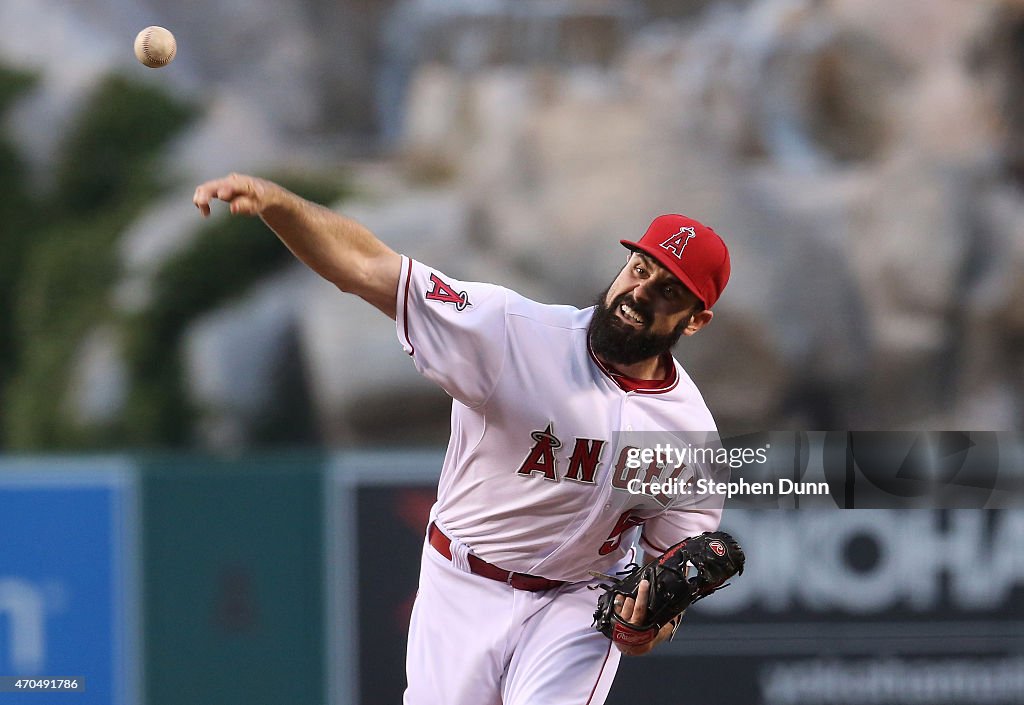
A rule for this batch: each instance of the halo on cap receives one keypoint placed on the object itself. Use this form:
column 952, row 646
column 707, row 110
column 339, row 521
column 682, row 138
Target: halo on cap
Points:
column 691, row 251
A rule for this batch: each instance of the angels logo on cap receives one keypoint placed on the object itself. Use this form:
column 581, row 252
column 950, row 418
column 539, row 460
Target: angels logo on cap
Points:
column 705, row 268
column 673, row 243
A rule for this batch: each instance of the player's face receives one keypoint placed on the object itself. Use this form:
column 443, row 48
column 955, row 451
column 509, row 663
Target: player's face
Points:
column 646, row 296
column 643, row 313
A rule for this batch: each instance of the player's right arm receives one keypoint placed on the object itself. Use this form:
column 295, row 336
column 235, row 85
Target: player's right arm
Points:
column 337, row 248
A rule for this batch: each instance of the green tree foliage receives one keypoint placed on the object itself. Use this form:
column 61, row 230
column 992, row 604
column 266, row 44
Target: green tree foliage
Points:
column 13, row 85
column 60, row 283
column 110, row 155
column 60, row 286
column 16, row 228
column 228, row 257
column 63, row 293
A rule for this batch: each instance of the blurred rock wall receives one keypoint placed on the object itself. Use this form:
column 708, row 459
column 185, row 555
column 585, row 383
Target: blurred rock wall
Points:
column 862, row 158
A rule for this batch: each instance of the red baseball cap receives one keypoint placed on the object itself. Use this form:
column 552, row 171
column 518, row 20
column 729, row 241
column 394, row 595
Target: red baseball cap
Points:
column 693, row 252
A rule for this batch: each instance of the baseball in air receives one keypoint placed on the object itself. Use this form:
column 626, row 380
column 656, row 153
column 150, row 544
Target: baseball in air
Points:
column 155, row 47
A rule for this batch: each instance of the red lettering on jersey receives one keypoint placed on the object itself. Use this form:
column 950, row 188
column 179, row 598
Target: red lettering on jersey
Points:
column 542, row 456
column 623, row 473
column 677, row 471
column 653, row 470
column 443, row 292
column 626, row 521
column 584, row 461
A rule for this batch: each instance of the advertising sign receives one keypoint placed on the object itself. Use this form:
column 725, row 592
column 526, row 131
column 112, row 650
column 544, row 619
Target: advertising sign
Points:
column 68, row 592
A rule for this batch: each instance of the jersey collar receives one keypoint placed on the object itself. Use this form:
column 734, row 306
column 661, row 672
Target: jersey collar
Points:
column 640, row 386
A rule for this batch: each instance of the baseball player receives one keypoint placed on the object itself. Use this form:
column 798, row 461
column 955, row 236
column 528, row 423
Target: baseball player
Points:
column 537, row 490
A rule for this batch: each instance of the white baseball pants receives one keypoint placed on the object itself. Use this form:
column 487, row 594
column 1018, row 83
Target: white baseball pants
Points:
column 476, row 641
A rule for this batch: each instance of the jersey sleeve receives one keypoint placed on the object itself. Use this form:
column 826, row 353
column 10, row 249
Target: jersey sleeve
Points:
column 454, row 331
column 689, row 515
column 674, row 525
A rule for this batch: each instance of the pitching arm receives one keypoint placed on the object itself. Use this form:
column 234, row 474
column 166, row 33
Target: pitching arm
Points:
column 337, row 248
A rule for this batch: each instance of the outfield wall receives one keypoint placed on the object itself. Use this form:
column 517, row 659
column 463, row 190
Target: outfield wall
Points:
column 289, row 577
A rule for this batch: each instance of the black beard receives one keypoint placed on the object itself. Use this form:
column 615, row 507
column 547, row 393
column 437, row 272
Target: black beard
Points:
column 620, row 344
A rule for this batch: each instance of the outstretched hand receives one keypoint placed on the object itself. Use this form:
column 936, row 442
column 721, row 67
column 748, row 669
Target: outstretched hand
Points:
column 245, row 195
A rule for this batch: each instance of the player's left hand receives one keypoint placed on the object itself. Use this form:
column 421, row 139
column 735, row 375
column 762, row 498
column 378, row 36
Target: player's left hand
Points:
column 640, row 610
column 635, row 612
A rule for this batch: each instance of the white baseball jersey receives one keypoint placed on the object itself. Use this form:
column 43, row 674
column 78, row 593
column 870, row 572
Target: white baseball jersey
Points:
column 535, row 479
